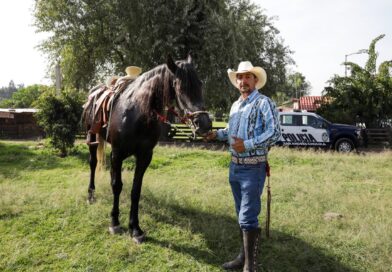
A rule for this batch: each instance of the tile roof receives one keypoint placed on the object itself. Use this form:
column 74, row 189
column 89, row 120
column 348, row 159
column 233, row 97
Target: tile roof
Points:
column 310, row 103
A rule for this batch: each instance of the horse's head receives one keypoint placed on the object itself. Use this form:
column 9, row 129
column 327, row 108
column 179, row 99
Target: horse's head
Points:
column 188, row 93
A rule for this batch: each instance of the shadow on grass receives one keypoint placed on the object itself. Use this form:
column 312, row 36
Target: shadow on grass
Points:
column 18, row 158
column 281, row 252
column 15, row 158
column 5, row 215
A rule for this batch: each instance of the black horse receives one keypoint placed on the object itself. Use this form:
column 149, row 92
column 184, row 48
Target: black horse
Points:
column 134, row 127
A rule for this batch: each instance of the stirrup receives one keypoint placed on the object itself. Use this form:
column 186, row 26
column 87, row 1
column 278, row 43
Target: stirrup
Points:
column 92, row 143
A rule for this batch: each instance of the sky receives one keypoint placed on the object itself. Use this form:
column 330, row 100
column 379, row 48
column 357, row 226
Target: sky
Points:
column 320, row 32
column 20, row 61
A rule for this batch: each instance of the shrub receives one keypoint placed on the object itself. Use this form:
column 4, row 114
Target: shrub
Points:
column 59, row 117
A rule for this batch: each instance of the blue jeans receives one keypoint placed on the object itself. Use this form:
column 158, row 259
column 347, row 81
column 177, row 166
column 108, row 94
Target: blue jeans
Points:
column 247, row 183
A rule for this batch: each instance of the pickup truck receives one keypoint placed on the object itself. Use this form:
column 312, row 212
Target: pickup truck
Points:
column 310, row 129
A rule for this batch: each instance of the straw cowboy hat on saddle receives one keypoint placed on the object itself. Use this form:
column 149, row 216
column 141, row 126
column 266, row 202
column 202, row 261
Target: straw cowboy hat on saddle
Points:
column 247, row 67
column 132, row 72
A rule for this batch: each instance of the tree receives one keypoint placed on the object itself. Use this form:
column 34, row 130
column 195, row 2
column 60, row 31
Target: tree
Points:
column 94, row 39
column 297, row 85
column 24, row 97
column 59, row 116
column 6, row 92
column 281, row 98
column 364, row 96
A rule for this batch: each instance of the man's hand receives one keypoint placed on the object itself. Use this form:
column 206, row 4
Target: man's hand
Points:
column 238, row 144
column 211, row 135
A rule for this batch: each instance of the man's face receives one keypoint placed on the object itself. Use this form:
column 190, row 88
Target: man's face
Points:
column 246, row 82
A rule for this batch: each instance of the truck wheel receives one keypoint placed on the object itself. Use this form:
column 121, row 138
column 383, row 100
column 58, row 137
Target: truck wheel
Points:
column 344, row 145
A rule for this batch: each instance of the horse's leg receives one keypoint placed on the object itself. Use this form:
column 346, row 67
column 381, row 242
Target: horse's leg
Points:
column 142, row 162
column 116, row 182
column 93, row 166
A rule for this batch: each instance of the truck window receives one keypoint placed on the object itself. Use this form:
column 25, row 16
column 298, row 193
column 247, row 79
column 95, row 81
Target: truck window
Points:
column 286, row 120
column 308, row 120
column 305, row 120
column 290, row 120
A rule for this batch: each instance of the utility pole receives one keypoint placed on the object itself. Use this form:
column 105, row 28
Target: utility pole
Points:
column 345, row 59
column 58, row 78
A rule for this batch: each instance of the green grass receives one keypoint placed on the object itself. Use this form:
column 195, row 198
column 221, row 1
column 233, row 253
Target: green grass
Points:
column 187, row 212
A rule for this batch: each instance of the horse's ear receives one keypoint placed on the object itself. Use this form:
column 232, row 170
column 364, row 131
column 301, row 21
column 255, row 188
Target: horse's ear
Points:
column 189, row 58
column 171, row 64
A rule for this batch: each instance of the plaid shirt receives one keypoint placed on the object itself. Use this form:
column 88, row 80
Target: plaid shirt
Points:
column 255, row 120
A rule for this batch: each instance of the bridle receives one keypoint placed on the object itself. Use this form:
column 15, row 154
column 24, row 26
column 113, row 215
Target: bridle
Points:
column 187, row 119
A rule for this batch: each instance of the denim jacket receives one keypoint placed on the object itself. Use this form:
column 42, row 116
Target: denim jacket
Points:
column 255, row 120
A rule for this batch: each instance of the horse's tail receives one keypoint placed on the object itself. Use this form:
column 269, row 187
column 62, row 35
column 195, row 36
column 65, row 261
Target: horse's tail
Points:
column 101, row 153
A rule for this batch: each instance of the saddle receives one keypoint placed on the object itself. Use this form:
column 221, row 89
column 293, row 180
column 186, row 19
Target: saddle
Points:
column 103, row 98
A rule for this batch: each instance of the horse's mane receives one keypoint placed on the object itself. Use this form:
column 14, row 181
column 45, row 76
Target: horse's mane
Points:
column 192, row 84
column 154, row 89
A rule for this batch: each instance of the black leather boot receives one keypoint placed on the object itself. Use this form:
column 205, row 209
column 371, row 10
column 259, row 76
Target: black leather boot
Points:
column 238, row 262
column 251, row 247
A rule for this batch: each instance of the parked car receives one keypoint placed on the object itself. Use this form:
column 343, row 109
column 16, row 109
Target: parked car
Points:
column 310, row 129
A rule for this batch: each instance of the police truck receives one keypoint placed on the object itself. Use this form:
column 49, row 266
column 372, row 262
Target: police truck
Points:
column 309, row 129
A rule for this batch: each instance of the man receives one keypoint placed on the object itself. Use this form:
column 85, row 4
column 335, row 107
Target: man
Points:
column 253, row 127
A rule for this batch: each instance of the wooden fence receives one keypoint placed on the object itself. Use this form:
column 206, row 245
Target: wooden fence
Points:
column 180, row 133
column 173, row 133
column 379, row 136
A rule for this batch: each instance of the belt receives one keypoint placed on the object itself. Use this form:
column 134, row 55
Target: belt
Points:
column 248, row 160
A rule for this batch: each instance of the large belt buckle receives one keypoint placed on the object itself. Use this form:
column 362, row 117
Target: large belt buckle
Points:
column 235, row 159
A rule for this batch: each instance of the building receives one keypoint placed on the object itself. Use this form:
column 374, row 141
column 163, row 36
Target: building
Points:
column 309, row 103
column 19, row 124
column 304, row 103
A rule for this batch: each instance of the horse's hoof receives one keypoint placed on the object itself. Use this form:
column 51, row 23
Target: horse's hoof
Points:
column 139, row 239
column 91, row 196
column 115, row 230
column 91, row 199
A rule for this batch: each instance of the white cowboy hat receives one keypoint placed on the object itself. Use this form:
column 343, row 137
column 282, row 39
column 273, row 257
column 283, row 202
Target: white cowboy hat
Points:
column 133, row 72
column 247, row 67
